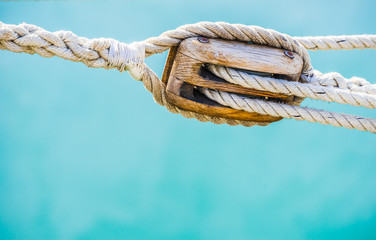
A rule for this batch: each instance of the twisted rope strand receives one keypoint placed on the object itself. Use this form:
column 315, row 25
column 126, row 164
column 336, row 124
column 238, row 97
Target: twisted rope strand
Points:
column 333, row 79
column 290, row 111
column 157, row 88
column 105, row 53
column 95, row 52
column 348, row 42
column 314, row 90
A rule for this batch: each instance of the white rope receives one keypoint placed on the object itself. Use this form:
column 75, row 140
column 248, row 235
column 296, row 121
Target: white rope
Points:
column 94, row 52
column 333, row 79
column 347, row 42
column 123, row 55
column 323, row 88
column 108, row 53
column 127, row 57
column 290, row 111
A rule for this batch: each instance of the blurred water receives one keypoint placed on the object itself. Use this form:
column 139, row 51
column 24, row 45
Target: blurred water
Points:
column 86, row 153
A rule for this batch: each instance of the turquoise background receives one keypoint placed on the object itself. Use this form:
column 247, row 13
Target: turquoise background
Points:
column 86, row 154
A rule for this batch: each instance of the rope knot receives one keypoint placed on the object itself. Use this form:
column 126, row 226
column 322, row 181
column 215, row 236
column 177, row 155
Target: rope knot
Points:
column 127, row 57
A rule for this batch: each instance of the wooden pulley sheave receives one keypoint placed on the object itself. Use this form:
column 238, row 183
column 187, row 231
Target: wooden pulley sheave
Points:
column 185, row 70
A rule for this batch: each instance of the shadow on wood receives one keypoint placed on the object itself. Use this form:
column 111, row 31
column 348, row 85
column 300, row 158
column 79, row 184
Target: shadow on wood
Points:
column 185, row 71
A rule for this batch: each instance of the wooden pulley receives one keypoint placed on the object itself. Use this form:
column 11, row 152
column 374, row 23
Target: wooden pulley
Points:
column 185, row 71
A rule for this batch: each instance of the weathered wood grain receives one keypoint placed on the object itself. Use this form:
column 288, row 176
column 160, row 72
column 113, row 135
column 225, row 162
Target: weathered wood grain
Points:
column 184, row 70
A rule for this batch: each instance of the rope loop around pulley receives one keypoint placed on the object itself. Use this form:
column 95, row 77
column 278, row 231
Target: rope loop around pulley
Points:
column 112, row 54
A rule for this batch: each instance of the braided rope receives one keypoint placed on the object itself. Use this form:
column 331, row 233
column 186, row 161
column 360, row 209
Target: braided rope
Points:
column 318, row 89
column 101, row 53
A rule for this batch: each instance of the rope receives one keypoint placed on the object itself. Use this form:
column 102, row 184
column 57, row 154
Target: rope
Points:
column 290, row 111
column 112, row 54
column 319, row 87
column 348, row 42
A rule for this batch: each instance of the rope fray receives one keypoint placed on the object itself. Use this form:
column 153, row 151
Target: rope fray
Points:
column 127, row 57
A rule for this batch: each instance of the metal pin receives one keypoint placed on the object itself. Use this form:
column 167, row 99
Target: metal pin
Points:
column 203, row 39
column 289, row 54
